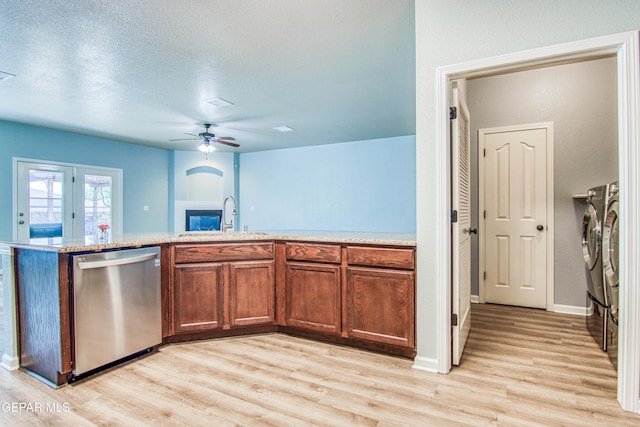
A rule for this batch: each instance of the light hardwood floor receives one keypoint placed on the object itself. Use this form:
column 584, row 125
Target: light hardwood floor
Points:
column 521, row 367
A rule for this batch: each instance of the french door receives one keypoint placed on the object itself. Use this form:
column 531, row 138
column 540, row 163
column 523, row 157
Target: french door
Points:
column 59, row 200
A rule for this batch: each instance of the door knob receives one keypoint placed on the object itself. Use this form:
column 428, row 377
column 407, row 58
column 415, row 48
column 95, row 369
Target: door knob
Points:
column 540, row 227
column 473, row 231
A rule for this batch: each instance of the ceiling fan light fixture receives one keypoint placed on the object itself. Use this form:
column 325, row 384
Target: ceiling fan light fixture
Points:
column 206, row 147
column 5, row 76
column 218, row 102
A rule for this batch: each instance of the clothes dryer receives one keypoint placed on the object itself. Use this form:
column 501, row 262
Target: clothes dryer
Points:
column 610, row 266
column 597, row 322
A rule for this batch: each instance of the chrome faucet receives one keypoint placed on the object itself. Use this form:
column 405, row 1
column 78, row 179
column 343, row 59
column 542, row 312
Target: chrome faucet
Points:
column 224, row 226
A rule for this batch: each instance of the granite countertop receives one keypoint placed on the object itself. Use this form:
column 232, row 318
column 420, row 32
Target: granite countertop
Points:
column 145, row 239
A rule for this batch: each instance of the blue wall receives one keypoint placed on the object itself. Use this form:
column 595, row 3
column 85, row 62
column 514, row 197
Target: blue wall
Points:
column 356, row 186
column 145, row 171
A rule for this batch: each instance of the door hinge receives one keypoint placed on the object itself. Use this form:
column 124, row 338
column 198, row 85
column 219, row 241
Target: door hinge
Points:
column 454, row 319
column 484, row 152
column 454, row 216
column 453, row 113
column 73, row 179
column 484, row 275
column 484, row 214
column 73, row 215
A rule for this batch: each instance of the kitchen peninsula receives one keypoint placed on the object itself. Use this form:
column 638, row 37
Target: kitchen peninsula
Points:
column 347, row 288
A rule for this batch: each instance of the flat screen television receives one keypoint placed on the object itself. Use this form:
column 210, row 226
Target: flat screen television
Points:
column 203, row 219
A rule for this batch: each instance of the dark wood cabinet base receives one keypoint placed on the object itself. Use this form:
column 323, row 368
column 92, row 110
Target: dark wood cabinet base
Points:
column 377, row 347
column 220, row 333
column 263, row 329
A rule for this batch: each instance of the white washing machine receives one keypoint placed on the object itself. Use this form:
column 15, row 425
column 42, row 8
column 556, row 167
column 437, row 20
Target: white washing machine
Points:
column 592, row 222
column 610, row 267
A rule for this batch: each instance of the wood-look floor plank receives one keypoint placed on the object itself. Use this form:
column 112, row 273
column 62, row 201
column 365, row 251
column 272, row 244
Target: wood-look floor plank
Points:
column 521, row 367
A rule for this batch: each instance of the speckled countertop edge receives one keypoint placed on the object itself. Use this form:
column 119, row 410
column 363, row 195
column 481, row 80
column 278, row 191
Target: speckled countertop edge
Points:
column 136, row 240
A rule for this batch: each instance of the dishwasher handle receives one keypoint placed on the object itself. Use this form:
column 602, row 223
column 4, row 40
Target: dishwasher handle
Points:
column 86, row 265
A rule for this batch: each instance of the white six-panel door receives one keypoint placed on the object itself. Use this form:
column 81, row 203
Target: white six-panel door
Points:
column 515, row 214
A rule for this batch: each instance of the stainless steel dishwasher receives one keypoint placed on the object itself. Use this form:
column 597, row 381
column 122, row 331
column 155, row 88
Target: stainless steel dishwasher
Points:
column 116, row 306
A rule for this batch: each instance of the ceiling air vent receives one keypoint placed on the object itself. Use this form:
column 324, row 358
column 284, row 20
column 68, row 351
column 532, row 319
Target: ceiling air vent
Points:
column 218, row 102
column 282, row 128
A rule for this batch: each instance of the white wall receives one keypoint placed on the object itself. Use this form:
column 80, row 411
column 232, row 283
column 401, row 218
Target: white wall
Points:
column 581, row 100
column 458, row 31
column 183, row 197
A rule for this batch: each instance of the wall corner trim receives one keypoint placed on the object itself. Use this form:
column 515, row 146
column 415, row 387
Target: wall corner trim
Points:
column 10, row 363
column 426, row 364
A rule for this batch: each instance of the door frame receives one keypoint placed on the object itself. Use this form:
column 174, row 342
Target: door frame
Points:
column 625, row 46
column 68, row 204
column 549, row 222
column 117, row 213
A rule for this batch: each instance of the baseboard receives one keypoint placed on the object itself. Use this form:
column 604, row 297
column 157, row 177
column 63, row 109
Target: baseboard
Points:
column 10, row 363
column 572, row 309
column 557, row 308
column 425, row 364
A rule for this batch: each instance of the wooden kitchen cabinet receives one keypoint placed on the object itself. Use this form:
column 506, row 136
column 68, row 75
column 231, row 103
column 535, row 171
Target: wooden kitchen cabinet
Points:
column 251, row 293
column 380, row 305
column 222, row 286
column 380, row 292
column 43, row 311
column 198, row 293
column 313, row 297
column 360, row 295
column 313, row 287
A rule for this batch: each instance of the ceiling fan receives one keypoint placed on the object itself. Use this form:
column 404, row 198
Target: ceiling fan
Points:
column 207, row 138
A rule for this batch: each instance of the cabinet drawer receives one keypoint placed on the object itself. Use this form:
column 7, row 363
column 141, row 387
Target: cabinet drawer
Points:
column 314, row 252
column 381, row 257
column 223, row 252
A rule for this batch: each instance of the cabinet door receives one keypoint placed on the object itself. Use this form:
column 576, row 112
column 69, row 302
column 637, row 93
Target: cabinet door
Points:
column 380, row 305
column 313, row 297
column 198, row 297
column 251, row 293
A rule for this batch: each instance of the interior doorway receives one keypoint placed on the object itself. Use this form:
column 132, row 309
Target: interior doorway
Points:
column 625, row 47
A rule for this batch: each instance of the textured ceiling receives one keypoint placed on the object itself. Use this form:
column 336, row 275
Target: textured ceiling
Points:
column 139, row 71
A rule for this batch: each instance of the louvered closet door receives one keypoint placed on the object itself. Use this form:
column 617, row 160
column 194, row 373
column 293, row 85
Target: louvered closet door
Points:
column 461, row 236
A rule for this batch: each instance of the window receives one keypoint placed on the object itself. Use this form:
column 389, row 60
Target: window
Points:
column 57, row 200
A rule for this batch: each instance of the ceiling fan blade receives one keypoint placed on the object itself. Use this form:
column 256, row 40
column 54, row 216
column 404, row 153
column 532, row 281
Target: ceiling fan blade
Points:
column 227, row 138
column 230, row 144
column 184, row 139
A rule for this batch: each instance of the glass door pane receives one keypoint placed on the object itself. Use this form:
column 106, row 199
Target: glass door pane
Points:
column 98, row 203
column 45, row 199
column 45, row 203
